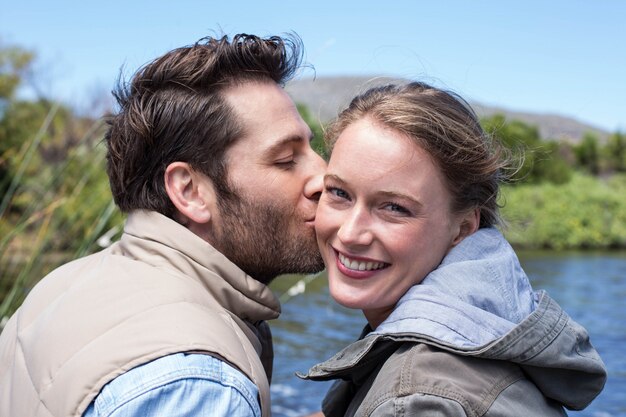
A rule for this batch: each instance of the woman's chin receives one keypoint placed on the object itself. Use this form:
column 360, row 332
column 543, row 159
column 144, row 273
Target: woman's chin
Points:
column 347, row 300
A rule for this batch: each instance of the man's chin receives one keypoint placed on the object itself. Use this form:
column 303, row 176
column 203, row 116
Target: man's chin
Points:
column 305, row 257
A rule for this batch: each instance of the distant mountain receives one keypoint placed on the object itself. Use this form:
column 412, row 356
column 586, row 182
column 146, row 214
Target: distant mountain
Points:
column 326, row 96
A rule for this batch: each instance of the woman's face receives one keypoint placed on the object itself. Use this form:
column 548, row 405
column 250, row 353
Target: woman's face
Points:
column 384, row 220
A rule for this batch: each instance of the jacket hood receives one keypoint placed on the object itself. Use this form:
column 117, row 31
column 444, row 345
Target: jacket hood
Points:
column 479, row 303
column 477, row 294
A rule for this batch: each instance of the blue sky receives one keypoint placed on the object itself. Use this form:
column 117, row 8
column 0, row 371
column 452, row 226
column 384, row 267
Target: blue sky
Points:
column 562, row 57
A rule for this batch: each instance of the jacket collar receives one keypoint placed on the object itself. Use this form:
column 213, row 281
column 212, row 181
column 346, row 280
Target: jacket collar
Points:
column 161, row 242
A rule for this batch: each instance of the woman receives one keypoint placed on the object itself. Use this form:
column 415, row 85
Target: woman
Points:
column 406, row 229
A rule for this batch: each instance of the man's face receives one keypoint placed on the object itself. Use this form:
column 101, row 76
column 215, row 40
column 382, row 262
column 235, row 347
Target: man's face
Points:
column 267, row 228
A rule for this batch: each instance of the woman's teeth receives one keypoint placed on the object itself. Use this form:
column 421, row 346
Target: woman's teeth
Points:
column 358, row 265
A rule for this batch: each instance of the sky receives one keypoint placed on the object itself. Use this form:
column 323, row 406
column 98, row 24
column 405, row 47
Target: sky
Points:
column 561, row 57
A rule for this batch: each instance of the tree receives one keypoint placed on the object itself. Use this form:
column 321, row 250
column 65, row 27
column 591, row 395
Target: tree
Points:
column 550, row 165
column 587, row 153
column 538, row 160
column 615, row 151
column 317, row 129
column 15, row 62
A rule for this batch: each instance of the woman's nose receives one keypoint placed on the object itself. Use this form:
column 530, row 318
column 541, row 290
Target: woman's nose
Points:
column 356, row 229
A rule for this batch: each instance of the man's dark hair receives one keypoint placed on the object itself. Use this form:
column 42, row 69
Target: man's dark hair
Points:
column 174, row 110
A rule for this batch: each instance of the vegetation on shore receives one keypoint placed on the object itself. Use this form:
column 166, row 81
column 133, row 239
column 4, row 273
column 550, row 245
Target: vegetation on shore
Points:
column 587, row 212
column 56, row 205
column 562, row 195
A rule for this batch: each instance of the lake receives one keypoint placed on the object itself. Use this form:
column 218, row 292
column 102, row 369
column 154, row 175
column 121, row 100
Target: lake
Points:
column 591, row 287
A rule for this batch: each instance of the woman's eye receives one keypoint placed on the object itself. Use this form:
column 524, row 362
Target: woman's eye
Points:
column 338, row 192
column 396, row 208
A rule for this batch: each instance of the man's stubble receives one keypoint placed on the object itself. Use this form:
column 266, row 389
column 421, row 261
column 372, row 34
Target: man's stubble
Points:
column 265, row 239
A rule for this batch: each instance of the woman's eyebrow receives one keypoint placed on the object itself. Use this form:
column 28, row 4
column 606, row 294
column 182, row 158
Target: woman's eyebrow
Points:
column 334, row 178
column 394, row 194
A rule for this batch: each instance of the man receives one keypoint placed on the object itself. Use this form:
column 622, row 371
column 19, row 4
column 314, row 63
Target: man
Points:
column 212, row 162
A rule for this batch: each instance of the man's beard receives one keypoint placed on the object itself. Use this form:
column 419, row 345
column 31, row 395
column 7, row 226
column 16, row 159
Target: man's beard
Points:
column 264, row 240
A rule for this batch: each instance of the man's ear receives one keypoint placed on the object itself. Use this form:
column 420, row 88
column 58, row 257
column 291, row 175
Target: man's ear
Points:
column 470, row 222
column 191, row 192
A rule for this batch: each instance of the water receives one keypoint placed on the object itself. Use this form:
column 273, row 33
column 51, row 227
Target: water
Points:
column 591, row 287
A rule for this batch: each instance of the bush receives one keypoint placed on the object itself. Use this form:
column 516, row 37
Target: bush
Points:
column 585, row 213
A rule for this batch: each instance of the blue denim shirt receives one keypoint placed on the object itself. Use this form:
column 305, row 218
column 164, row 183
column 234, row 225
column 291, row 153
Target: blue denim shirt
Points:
column 178, row 385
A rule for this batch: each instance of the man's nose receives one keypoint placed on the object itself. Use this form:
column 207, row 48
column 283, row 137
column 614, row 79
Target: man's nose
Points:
column 315, row 184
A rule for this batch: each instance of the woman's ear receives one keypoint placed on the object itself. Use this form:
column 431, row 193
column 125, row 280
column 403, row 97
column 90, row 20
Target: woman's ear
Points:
column 470, row 221
column 191, row 192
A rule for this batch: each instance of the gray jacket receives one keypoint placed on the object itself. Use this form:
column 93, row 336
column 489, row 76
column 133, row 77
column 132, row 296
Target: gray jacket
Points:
column 472, row 339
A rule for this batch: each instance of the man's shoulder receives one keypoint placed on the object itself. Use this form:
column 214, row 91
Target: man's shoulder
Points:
column 179, row 381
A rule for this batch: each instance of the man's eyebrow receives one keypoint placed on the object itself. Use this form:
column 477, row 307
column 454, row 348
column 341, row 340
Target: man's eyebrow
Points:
column 280, row 144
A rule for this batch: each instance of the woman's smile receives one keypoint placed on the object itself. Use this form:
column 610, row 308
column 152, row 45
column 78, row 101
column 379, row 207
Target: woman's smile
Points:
column 358, row 268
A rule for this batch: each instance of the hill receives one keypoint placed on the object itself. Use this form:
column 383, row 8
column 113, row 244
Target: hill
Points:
column 325, row 96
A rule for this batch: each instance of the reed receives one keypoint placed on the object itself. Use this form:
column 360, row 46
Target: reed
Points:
column 52, row 212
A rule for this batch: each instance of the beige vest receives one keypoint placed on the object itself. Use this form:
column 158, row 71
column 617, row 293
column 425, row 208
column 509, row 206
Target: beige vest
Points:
column 159, row 290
